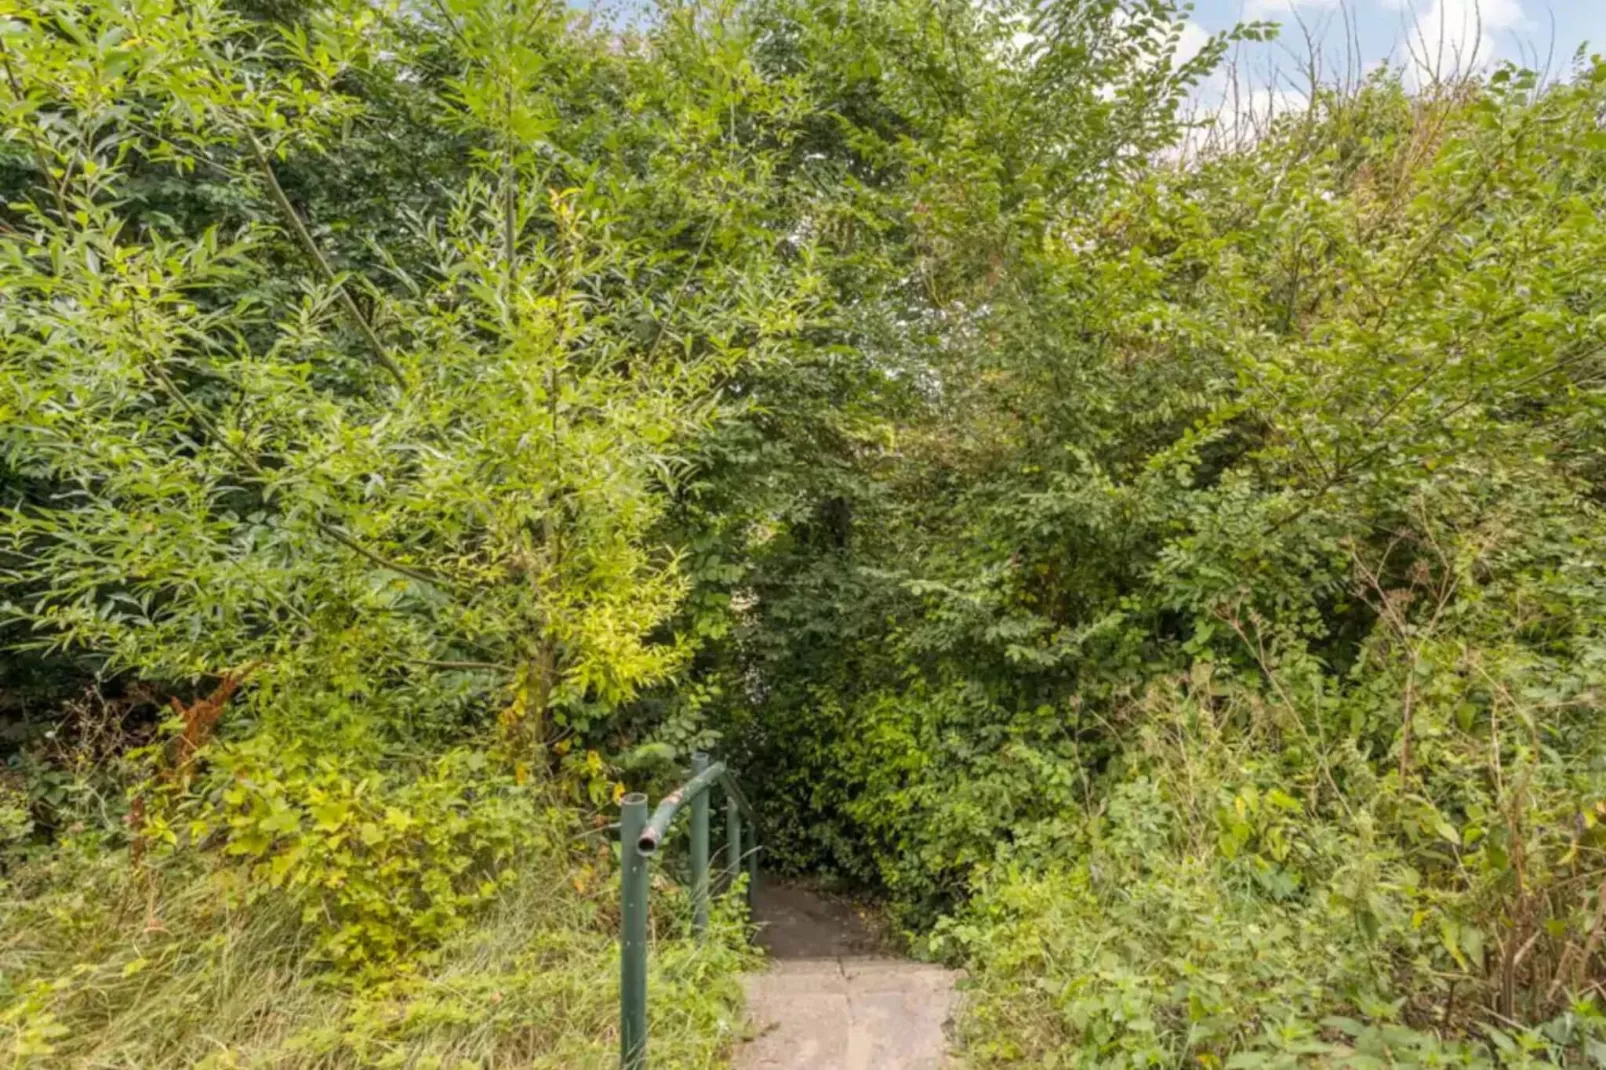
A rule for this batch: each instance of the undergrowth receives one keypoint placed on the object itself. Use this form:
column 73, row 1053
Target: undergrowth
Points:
column 1213, row 908
column 199, row 958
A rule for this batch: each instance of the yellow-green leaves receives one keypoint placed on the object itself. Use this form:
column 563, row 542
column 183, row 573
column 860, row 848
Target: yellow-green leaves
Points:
column 261, row 418
column 382, row 865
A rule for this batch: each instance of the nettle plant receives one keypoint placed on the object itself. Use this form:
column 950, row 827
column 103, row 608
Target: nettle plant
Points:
column 226, row 451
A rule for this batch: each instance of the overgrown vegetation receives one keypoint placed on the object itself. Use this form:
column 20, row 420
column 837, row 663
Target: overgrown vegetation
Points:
column 1197, row 631
column 1164, row 566
column 349, row 358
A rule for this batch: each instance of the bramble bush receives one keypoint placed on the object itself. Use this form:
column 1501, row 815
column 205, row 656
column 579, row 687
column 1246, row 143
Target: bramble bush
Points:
column 383, row 863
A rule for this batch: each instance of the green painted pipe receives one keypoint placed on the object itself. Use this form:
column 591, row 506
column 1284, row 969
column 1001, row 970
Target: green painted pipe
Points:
column 734, row 790
column 733, row 838
column 699, row 850
column 639, row 838
column 752, row 870
column 658, row 826
column 633, row 941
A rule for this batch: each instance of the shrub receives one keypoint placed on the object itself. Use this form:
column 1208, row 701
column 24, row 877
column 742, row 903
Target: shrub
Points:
column 381, row 863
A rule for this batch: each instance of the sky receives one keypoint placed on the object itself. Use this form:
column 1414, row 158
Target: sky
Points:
column 1525, row 31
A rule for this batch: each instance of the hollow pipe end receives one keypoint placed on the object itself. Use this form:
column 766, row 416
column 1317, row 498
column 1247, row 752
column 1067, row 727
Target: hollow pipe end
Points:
column 635, row 798
column 648, row 843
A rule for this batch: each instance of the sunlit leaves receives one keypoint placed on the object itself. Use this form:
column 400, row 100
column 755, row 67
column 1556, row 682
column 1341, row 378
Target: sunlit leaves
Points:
column 217, row 471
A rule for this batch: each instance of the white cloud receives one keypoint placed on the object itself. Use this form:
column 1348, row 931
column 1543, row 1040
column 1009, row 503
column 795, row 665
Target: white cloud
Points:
column 1448, row 37
column 1194, row 37
column 1282, row 10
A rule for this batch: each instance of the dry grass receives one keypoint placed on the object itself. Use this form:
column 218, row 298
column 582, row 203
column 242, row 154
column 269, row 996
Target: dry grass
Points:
column 99, row 969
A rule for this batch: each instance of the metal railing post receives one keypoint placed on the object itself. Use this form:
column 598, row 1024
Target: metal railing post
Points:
column 699, row 850
column 639, row 839
column 633, row 943
column 733, row 839
column 752, row 870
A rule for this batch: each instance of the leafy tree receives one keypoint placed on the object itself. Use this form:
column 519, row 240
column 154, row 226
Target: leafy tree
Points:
column 341, row 482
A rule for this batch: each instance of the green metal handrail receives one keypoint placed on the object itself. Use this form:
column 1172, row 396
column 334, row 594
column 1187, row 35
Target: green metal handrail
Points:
column 639, row 840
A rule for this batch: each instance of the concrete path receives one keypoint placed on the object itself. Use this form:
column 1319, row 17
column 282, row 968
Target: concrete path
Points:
column 831, row 1000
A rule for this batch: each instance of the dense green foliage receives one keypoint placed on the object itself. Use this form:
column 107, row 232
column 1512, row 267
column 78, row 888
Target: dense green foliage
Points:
column 331, row 509
column 1168, row 576
column 1211, row 647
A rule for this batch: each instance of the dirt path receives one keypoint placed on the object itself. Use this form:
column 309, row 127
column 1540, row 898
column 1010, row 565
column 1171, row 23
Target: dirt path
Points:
column 832, row 999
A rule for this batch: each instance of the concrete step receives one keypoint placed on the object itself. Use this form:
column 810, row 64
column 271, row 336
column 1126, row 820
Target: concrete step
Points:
column 852, row 1013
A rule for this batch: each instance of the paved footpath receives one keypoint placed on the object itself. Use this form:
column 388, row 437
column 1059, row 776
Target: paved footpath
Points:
column 830, row 1001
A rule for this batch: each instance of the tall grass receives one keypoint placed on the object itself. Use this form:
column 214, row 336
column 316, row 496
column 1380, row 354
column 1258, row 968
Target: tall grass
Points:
column 104, row 967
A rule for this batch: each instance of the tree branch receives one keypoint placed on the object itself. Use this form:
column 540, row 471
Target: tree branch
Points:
column 255, row 468
column 40, row 155
column 315, row 256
